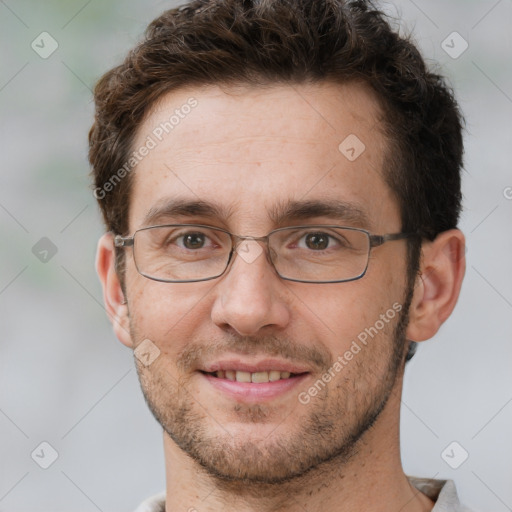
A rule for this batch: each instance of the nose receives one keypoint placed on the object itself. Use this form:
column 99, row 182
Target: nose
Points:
column 250, row 296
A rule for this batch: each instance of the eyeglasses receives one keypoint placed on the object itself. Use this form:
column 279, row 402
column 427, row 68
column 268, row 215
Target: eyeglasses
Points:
column 184, row 253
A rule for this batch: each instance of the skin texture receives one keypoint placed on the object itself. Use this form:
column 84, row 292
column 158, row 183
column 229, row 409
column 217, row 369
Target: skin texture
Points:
column 250, row 150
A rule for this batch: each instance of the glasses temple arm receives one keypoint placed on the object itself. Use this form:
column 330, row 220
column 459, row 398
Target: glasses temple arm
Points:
column 123, row 241
column 376, row 240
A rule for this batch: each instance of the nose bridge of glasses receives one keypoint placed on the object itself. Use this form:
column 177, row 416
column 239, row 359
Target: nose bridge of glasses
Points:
column 238, row 239
column 248, row 251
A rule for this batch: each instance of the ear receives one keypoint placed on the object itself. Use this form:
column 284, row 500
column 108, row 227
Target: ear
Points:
column 115, row 305
column 437, row 288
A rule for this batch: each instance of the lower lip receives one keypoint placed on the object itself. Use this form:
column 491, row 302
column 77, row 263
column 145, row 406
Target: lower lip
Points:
column 255, row 391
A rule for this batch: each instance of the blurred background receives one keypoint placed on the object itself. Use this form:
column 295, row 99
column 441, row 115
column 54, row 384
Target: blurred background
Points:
column 75, row 433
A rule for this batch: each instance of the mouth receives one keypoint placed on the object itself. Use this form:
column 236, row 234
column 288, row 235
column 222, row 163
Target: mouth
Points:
column 253, row 377
column 253, row 382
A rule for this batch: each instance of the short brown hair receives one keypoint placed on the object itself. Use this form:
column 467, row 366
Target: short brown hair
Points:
column 263, row 42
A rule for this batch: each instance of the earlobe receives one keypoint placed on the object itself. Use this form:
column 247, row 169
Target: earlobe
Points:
column 438, row 286
column 113, row 296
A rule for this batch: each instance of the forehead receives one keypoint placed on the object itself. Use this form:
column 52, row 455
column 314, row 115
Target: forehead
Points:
column 251, row 150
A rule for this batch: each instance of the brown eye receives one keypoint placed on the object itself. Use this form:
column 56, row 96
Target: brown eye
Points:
column 317, row 241
column 193, row 240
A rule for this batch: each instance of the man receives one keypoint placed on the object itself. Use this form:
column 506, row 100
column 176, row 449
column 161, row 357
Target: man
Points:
column 280, row 182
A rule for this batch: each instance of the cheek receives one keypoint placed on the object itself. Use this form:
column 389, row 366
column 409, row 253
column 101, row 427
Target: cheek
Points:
column 339, row 313
column 362, row 313
column 166, row 313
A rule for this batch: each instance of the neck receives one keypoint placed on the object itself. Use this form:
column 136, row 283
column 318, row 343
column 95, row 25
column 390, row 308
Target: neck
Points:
column 372, row 479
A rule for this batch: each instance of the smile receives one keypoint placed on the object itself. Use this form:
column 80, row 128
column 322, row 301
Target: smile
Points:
column 254, row 377
column 254, row 387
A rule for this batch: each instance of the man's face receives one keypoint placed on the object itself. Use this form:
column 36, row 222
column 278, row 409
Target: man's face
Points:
column 251, row 153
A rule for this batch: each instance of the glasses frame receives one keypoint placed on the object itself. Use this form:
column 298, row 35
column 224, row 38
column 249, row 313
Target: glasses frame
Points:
column 374, row 241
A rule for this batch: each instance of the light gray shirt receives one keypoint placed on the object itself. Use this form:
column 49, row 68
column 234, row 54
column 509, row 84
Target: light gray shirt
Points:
column 442, row 492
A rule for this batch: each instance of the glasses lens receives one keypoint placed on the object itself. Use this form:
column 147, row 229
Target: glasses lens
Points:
column 181, row 253
column 315, row 254
column 320, row 253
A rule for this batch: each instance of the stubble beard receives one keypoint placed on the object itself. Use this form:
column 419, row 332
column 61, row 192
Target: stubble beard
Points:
column 328, row 431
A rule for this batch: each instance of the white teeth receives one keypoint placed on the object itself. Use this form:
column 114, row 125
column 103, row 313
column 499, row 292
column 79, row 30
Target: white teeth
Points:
column 259, row 377
column 274, row 375
column 241, row 376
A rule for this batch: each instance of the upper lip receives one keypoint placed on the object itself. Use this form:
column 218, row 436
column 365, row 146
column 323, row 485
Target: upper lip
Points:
column 254, row 366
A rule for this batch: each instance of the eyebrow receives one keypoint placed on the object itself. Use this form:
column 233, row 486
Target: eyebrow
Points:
column 171, row 208
column 283, row 213
column 302, row 210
